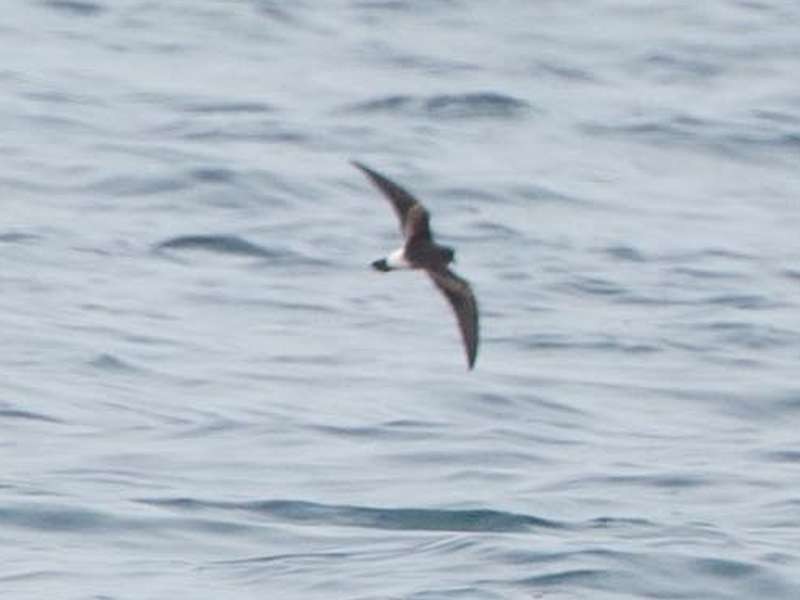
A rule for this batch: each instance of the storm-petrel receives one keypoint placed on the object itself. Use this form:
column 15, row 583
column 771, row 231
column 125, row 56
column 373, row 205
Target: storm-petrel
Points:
column 420, row 252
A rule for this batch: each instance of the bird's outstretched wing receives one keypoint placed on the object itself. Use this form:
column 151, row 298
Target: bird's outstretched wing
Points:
column 401, row 200
column 459, row 293
column 417, row 227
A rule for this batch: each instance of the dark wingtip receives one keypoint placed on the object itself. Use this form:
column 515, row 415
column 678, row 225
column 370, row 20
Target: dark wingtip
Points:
column 472, row 353
column 359, row 165
column 373, row 175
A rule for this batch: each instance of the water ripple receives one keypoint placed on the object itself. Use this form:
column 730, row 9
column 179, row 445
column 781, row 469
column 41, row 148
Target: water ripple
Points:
column 136, row 185
column 111, row 363
column 731, row 138
column 749, row 335
column 9, row 413
column 570, row 344
column 212, row 107
column 221, row 244
column 57, row 518
column 453, row 106
column 626, row 253
column 407, row 519
column 77, row 8
column 16, row 237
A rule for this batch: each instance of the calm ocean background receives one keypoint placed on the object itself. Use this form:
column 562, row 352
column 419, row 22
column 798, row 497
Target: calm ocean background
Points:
column 206, row 393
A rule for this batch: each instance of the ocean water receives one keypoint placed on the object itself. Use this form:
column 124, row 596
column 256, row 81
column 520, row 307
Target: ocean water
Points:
column 208, row 394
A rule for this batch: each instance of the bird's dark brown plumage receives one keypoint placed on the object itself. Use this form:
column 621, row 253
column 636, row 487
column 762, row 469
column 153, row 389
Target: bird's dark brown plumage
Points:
column 422, row 252
column 461, row 298
column 401, row 200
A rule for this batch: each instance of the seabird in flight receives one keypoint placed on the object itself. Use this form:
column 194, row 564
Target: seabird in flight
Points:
column 420, row 252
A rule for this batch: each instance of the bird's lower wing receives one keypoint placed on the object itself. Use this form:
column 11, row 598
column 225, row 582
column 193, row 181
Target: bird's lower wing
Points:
column 459, row 293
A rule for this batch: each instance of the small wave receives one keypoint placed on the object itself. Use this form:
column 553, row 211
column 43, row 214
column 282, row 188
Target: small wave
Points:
column 728, row 569
column 395, row 103
column 59, row 97
column 204, row 104
column 232, row 245
column 393, row 5
column 789, row 404
column 714, row 254
column 570, row 72
column 406, row 519
column 55, row 518
column 266, row 133
column 10, row 413
column 14, row 237
column 77, row 8
column 52, row 518
column 489, row 230
column 109, row 362
column 626, row 253
column 626, row 522
column 486, row 104
column 36, row 576
column 604, row 344
column 596, row 286
column 706, row 274
column 226, row 107
column 540, row 193
column 310, row 359
column 792, row 274
column 455, row 106
column 783, row 456
column 469, row 194
column 667, row 481
column 568, row 576
column 749, row 335
column 280, row 12
column 653, row 129
column 671, row 66
column 381, row 432
column 657, row 575
column 776, row 116
column 137, row 185
column 742, row 301
column 737, row 139
column 213, row 175
column 307, row 557
column 221, row 244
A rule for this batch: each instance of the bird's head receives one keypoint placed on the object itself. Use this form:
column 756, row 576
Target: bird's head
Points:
column 381, row 265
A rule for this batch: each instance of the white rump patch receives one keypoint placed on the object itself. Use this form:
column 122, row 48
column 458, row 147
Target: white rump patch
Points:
column 397, row 259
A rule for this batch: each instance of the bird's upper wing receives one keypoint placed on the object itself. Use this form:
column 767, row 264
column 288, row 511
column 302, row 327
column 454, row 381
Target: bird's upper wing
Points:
column 401, row 200
column 459, row 293
column 417, row 227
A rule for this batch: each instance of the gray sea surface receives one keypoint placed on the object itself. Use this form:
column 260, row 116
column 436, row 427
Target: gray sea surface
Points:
column 206, row 393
